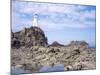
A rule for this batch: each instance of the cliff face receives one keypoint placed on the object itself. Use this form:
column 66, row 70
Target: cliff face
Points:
column 28, row 37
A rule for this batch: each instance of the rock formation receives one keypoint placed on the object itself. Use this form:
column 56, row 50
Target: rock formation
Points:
column 78, row 44
column 56, row 44
column 31, row 53
column 29, row 37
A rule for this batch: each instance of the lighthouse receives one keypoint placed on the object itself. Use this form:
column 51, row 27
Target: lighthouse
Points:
column 35, row 20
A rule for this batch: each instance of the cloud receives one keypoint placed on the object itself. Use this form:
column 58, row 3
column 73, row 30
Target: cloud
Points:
column 52, row 16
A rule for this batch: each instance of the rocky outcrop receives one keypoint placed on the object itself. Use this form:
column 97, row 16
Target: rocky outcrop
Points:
column 56, row 44
column 34, row 58
column 78, row 44
column 31, row 53
column 28, row 37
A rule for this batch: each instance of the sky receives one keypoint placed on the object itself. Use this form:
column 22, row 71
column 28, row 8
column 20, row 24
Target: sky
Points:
column 60, row 22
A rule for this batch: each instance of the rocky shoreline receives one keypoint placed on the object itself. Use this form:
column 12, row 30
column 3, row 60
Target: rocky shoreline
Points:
column 32, row 59
column 30, row 52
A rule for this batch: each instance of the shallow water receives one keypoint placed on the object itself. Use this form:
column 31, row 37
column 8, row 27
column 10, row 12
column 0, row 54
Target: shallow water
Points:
column 17, row 71
column 56, row 68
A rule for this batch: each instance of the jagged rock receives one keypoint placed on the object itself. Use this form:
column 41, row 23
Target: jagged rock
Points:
column 29, row 37
column 75, row 52
column 15, row 43
column 68, row 68
column 78, row 44
column 30, row 51
column 56, row 44
column 42, row 56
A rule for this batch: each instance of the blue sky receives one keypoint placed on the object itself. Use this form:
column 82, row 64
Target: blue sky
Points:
column 60, row 22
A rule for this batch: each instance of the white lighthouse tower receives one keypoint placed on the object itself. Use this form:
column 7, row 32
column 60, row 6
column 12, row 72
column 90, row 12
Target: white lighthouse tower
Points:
column 35, row 20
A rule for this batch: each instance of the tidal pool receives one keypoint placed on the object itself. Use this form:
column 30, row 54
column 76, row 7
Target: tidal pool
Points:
column 17, row 71
column 56, row 68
